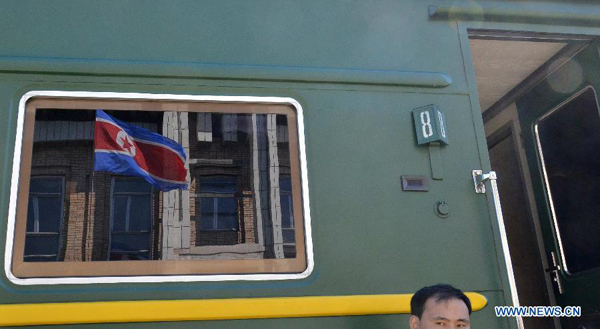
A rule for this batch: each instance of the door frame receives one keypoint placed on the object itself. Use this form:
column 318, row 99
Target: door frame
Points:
column 508, row 120
column 513, row 31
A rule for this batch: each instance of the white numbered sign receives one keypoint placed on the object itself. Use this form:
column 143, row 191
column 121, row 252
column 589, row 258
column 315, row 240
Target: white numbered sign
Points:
column 430, row 125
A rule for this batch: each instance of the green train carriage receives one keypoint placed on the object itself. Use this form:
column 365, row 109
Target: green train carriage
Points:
column 337, row 157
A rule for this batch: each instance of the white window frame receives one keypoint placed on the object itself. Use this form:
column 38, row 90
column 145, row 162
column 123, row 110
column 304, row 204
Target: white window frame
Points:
column 14, row 190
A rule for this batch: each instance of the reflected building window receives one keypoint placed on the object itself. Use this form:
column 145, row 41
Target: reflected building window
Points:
column 131, row 220
column 204, row 127
column 218, row 203
column 287, row 209
column 44, row 219
column 229, row 128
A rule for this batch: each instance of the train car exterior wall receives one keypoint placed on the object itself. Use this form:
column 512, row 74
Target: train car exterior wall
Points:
column 358, row 68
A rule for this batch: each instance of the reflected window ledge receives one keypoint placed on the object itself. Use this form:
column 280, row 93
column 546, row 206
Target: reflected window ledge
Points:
column 244, row 248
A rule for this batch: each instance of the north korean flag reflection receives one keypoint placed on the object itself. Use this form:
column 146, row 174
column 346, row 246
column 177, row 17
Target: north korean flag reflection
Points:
column 125, row 149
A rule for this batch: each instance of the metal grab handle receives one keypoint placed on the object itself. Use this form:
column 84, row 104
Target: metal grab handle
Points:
column 479, row 180
column 554, row 273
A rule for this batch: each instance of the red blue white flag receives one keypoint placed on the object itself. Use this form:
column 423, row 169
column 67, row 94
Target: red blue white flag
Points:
column 125, row 149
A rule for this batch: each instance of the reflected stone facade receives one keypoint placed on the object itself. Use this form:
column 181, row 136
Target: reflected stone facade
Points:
column 232, row 209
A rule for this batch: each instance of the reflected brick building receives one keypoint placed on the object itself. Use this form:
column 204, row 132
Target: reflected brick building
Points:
column 238, row 205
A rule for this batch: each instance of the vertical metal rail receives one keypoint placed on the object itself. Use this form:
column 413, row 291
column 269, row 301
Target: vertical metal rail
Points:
column 479, row 180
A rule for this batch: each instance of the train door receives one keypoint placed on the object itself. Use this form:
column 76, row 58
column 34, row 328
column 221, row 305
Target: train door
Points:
column 563, row 148
column 542, row 119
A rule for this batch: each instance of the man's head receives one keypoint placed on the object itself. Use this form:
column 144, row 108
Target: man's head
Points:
column 439, row 306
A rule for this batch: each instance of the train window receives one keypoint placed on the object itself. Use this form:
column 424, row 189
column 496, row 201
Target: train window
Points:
column 124, row 188
column 569, row 140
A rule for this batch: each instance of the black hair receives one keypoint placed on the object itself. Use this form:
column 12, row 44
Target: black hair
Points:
column 441, row 293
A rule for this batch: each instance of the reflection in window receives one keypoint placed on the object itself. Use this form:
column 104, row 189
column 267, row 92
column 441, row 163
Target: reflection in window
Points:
column 131, row 229
column 218, row 204
column 239, row 205
column 570, row 142
column 287, row 209
column 44, row 219
column 287, row 216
